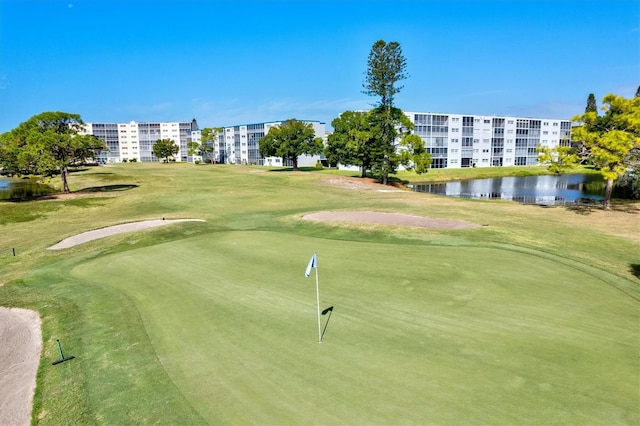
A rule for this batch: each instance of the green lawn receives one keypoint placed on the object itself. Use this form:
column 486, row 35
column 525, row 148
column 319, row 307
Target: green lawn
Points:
column 533, row 319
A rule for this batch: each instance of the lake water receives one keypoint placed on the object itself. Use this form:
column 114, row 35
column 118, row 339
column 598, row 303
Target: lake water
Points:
column 524, row 189
column 16, row 189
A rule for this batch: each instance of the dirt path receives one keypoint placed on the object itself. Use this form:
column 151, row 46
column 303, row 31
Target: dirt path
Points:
column 20, row 349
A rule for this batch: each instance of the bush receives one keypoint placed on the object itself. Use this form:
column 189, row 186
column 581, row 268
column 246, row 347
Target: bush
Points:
column 319, row 165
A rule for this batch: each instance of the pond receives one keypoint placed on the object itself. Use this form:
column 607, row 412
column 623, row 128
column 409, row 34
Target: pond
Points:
column 18, row 189
column 524, row 189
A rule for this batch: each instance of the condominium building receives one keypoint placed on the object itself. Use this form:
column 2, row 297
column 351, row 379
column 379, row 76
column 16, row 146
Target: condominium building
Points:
column 239, row 145
column 458, row 140
column 134, row 141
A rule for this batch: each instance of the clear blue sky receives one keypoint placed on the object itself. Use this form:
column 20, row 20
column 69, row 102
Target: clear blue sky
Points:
column 229, row 62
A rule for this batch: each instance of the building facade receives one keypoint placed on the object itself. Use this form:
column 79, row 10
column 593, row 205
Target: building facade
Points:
column 134, row 141
column 458, row 140
column 239, row 145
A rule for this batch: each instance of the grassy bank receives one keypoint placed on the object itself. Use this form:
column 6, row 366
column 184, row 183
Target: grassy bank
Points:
column 530, row 319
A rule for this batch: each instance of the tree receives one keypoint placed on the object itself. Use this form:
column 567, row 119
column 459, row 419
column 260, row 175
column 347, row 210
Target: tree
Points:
column 209, row 138
column 558, row 159
column 165, row 148
column 387, row 124
column 349, row 142
column 613, row 138
column 638, row 92
column 289, row 140
column 414, row 155
column 591, row 104
column 47, row 143
column 385, row 68
column 194, row 148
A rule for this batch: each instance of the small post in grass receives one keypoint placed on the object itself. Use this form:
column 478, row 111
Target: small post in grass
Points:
column 62, row 357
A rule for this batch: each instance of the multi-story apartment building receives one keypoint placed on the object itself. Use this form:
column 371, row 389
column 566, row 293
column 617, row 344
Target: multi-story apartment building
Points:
column 453, row 140
column 239, row 144
column 134, row 141
column 458, row 140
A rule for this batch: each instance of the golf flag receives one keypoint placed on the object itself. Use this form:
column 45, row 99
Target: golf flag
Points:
column 313, row 263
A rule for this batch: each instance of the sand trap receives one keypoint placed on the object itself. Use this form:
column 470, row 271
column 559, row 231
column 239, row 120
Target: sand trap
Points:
column 390, row 219
column 113, row 230
column 20, row 349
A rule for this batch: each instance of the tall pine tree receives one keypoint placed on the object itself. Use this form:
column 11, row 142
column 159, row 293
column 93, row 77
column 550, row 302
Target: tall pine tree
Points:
column 591, row 104
column 386, row 67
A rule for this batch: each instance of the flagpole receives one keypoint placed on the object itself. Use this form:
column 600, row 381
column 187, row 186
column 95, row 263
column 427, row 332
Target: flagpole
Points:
column 318, row 305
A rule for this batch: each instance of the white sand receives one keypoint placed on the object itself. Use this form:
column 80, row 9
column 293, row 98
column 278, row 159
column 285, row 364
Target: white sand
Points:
column 113, row 230
column 20, row 349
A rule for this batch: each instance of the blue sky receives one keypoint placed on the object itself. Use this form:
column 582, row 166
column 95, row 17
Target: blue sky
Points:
column 229, row 62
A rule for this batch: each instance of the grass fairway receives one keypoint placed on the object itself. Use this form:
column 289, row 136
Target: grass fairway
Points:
column 534, row 319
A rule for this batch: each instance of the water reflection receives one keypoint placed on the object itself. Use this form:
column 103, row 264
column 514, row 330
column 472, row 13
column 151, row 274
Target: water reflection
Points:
column 11, row 189
column 524, row 189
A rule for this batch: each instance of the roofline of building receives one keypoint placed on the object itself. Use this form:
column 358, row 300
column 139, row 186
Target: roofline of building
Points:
column 274, row 121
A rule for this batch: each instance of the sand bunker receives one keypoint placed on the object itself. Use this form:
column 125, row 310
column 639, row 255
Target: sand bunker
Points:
column 20, row 348
column 113, row 230
column 390, row 219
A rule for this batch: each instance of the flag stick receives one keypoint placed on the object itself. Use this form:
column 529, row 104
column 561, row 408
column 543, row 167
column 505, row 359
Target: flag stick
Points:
column 318, row 304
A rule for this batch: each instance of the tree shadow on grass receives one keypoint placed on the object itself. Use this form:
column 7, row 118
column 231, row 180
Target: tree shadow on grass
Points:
column 635, row 269
column 62, row 195
column 583, row 210
column 290, row 169
column 106, row 188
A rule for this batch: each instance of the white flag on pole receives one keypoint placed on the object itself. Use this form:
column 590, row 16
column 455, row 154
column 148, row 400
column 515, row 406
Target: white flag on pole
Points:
column 313, row 263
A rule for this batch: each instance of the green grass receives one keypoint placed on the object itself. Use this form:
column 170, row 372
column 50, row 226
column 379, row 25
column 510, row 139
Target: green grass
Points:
column 484, row 172
column 532, row 319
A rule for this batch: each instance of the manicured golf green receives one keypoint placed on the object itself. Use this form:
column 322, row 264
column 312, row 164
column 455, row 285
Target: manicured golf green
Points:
column 533, row 319
column 439, row 335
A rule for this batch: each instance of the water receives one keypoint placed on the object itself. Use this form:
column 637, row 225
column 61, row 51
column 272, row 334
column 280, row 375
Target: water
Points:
column 13, row 189
column 524, row 189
